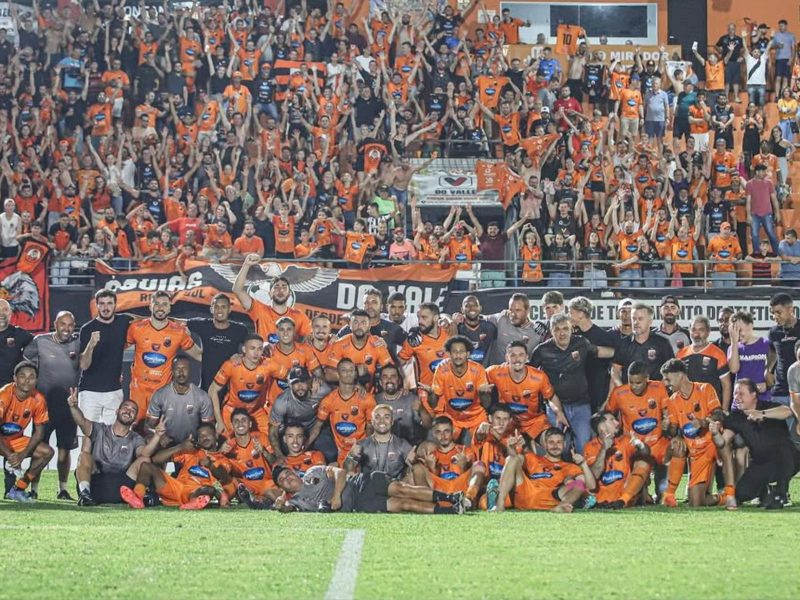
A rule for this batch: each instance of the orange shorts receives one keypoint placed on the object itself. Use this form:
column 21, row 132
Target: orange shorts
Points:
column 658, row 451
column 529, row 496
column 19, row 443
column 175, row 492
column 451, row 486
column 259, row 417
column 141, row 394
column 534, row 427
column 702, row 465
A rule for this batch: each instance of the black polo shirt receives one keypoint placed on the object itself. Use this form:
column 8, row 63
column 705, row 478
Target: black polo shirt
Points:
column 566, row 368
column 597, row 369
column 760, row 437
column 782, row 341
column 482, row 338
column 654, row 352
column 12, row 342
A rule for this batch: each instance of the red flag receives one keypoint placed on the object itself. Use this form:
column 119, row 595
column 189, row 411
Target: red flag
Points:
column 24, row 283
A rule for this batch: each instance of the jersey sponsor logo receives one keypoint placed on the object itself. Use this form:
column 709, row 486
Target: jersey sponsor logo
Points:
column 631, row 102
column 199, row 471
column 533, row 265
column 248, row 395
column 449, row 475
column 345, row 428
column 10, row 429
column 724, row 254
column 651, row 354
column 282, row 383
column 690, row 431
column 153, row 359
column 355, row 246
column 254, row 474
column 644, row 426
column 477, row 355
column 460, row 404
column 610, row 477
column 632, row 247
column 461, row 257
column 518, row 408
column 541, row 476
column 435, row 364
column 272, row 338
column 682, row 253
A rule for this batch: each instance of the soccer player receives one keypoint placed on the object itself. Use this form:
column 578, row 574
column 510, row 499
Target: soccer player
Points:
column 156, row 341
column 368, row 352
column 514, row 324
column 248, row 382
column 324, row 489
column 690, row 409
column 220, row 337
column 286, row 354
column 203, row 466
column 297, row 456
column 409, row 418
column 618, row 462
column 348, row 410
column 705, row 362
column 113, row 454
column 524, row 389
column 423, row 350
column 265, row 317
column 20, row 405
column 320, row 341
column 460, row 389
column 478, row 329
column 249, row 453
column 544, row 482
column 382, row 450
column 390, row 332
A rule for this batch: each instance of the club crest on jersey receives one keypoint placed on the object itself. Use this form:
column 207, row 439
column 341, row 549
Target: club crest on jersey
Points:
column 11, row 342
column 642, row 412
column 576, row 356
column 706, row 361
column 470, row 386
column 167, row 342
column 155, row 347
column 260, row 379
column 354, row 410
column 651, row 403
column 651, row 354
column 368, row 359
column 697, row 408
column 680, row 344
column 190, row 409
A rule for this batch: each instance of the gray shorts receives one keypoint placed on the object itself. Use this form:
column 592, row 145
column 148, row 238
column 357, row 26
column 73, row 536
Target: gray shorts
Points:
column 371, row 492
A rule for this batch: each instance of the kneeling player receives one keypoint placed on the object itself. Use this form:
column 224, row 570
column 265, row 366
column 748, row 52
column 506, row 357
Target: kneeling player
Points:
column 690, row 410
column 324, row 489
column 248, row 452
column 203, row 468
column 297, row 457
column 619, row 463
column 544, row 482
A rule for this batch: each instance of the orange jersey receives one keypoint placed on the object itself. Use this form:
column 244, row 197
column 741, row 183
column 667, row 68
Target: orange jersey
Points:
column 322, row 355
column 617, row 467
column 244, row 245
column 509, row 128
column 640, row 414
column 348, row 418
column 629, row 247
column 192, row 472
column 702, row 401
column 428, row 352
column 682, row 254
column 247, row 462
column 531, row 263
column 631, row 102
column 356, row 246
column 154, row 350
column 715, row 76
column 284, row 234
column 246, row 387
column 724, row 253
column 16, row 414
column 493, row 453
column 300, row 356
column 619, row 82
column 264, row 318
column 458, row 394
column 698, row 112
column 722, row 166
column 523, row 398
column 461, row 252
column 373, row 354
column 305, row 460
column 446, row 466
column 548, row 473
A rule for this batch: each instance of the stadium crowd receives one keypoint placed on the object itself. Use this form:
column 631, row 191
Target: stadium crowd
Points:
column 402, row 412
column 146, row 134
column 248, row 131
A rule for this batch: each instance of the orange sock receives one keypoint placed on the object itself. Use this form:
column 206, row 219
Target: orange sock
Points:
column 635, row 483
column 140, row 490
column 22, row 482
column 674, row 474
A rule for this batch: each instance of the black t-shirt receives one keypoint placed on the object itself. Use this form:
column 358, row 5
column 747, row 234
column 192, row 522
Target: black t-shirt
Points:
column 105, row 372
column 218, row 345
column 761, row 438
column 597, row 369
column 782, row 341
column 12, row 342
column 482, row 337
column 566, row 368
column 654, row 353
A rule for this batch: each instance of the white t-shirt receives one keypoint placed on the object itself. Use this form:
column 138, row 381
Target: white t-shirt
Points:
column 759, row 76
column 9, row 228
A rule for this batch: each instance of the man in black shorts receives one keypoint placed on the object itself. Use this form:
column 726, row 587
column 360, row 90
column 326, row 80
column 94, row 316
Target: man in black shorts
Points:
column 326, row 489
column 112, row 457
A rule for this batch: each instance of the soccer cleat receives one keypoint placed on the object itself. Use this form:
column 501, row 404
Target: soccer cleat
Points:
column 492, row 490
column 616, row 505
column 130, row 498
column 64, row 495
column 460, row 503
column 19, row 495
column 198, row 503
column 85, row 499
column 588, row 503
column 33, row 494
column 669, row 501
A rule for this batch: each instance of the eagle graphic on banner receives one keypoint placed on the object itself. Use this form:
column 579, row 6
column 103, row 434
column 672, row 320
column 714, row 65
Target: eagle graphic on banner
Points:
column 304, row 280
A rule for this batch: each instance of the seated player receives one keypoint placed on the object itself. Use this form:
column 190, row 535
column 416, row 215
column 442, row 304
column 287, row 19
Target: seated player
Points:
column 248, row 452
column 112, row 454
column 618, row 462
column 203, row 468
column 445, row 465
column 297, row 457
column 689, row 411
column 382, row 450
column 21, row 404
column 248, row 381
column 531, row 482
column 325, row 489
column 491, row 447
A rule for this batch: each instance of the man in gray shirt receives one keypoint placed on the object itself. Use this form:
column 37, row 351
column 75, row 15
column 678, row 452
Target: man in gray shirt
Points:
column 180, row 405
column 514, row 324
column 326, row 489
column 784, row 42
column 111, row 459
column 789, row 251
column 57, row 356
column 410, row 420
column 381, row 451
column 656, row 112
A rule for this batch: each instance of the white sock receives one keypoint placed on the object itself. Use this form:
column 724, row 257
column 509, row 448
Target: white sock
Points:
column 62, row 485
column 84, row 487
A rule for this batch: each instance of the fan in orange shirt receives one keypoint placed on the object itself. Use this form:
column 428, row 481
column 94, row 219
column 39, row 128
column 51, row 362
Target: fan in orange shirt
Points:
column 248, row 242
column 523, row 388
column 156, row 341
column 368, row 352
column 357, row 244
column 425, row 344
column 20, row 405
column 266, row 316
column 287, row 354
column 347, row 409
column 248, row 381
column 690, row 409
column 460, row 389
column 248, row 452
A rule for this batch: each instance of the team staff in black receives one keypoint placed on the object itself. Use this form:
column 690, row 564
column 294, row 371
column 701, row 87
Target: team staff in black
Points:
column 597, row 369
column 644, row 345
column 12, row 342
column 782, row 338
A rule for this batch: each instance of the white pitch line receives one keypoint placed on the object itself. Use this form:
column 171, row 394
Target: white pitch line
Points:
column 345, row 573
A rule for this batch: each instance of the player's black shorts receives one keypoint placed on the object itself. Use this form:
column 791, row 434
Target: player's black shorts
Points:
column 105, row 487
column 63, row 424
column 372, row 492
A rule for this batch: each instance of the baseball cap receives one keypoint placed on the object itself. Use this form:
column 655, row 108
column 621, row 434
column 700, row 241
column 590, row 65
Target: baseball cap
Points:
column 277, row 470
column 625, row 303
column 651, row 63
column 298, row 374
column 545, row 109
column 669, row 299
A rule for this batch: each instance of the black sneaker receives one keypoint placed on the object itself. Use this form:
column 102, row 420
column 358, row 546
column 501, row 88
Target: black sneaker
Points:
column 151, row 500
column 33, row 494
column 775, row 503
column 85, row 499
column 616, row 505
column 64, row 495
column 9, row 480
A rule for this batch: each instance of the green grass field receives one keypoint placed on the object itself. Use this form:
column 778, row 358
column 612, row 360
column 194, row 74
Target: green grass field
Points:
column 60, row 551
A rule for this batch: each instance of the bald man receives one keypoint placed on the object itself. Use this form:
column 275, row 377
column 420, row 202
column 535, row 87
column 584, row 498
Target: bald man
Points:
column 12, row 342
column 57, row 355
